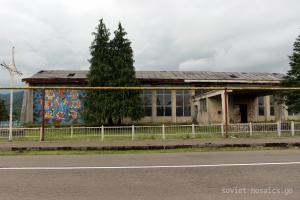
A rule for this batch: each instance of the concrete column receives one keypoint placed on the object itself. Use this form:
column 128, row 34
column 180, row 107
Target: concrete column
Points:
column 255, row 107
column 207, row 110
column 192, row 105
column 265, row 108
column 27, row 107
column 154, row 111
column 223, row 108
column 277, row 108
column 173, row 98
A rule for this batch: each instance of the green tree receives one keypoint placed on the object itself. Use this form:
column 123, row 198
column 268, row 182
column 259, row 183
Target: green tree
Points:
column 111, row 64
column 3, row 111
column 127, row 103
column 292, row 98
column 95, row 102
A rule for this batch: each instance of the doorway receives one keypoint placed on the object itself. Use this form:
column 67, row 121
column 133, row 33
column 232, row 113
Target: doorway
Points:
column 243, row 113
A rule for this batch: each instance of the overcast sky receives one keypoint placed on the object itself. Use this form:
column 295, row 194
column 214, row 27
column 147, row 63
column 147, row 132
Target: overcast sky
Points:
column 210, row 35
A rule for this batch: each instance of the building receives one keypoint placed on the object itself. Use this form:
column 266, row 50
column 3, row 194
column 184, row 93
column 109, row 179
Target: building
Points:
column 164, row 106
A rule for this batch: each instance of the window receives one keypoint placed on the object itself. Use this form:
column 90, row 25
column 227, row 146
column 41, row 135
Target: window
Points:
column 203, row 107
column 272, row 102
column 183, row 103
column 147, row 102
column 164, row 103
column 261, row 106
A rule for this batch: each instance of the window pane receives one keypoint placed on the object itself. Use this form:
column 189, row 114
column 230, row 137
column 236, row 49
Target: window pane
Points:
column 261, row 106
column 271, row 100
column 159, row 91
column 179, row 92
column 148, row 100
column 261, row 101
column 187, row 92
column 159, row 100
column 168, row 111
column 187, row 111
column 261, row 111
column 272, row 111
column 160, row 111
column 187, row 100
column 167, row 91
column 179, row 100
column 179, row 111
column 148, row 111
column 168, row 100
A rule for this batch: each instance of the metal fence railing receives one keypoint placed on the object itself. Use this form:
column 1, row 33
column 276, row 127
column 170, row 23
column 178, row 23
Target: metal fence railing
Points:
column 163, row 132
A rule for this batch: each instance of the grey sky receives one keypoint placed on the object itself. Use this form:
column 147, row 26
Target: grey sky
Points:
column 214, row 35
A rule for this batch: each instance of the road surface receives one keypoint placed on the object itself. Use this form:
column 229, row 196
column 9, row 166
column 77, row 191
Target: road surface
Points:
column 203, row 175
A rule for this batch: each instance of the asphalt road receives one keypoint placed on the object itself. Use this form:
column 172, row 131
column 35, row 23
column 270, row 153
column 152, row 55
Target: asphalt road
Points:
column 211, row 175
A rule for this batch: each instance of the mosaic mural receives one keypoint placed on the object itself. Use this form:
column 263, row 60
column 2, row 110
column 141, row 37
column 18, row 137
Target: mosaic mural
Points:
column 61, row 106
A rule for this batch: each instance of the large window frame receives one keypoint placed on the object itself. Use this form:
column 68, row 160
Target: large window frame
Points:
column 146, row 97
column 261, row 106
column 164, row 103
column 183, row 103
column 272, row 105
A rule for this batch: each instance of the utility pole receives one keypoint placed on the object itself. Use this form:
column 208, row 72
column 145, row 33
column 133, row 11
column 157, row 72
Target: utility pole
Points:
column 12, row 72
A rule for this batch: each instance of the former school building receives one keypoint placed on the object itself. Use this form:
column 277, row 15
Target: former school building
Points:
column 165, row 106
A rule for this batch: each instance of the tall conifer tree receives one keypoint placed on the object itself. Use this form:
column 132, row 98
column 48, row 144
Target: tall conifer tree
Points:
column 128, row 102
column 292, row 79
column 96, row 107
column 111, row 65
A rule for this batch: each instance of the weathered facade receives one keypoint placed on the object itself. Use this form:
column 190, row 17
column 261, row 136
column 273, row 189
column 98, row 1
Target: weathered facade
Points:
column 164, row 106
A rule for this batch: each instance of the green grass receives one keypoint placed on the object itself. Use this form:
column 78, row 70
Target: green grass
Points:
column 99, row 152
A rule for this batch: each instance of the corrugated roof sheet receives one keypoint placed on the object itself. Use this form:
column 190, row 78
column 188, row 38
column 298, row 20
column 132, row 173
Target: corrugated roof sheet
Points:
column 166, row 75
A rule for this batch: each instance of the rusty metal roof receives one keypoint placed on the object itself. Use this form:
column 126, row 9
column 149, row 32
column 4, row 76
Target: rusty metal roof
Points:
column 181, row 76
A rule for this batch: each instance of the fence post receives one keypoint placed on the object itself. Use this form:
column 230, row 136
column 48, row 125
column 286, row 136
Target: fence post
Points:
column 72, row 131
column 102, row 133
column 41, row 134
column 193, row 130
column 293, row 128
column 250, row 128
column 222, row 129
column 163, row 132
column 279, row 128
column 132, row 132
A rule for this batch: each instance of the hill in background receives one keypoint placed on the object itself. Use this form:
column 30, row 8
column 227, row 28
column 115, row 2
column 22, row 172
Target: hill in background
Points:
column 17, row 104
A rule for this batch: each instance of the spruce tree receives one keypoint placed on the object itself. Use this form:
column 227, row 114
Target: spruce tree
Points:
column 292, row 98
column 96, row 103
column 111, row 64
column 127, row 102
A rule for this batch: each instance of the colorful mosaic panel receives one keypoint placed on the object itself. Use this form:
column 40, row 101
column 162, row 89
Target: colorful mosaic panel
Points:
column 61, row 106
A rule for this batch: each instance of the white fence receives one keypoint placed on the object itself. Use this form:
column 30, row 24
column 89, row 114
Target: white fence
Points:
column 162, row 132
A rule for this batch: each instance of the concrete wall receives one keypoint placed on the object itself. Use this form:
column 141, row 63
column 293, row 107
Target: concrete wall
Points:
column 27, row 107
column 214, row 105
column 234, row 107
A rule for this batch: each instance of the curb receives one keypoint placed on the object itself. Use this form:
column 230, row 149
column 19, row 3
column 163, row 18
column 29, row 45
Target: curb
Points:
column 147, row 147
